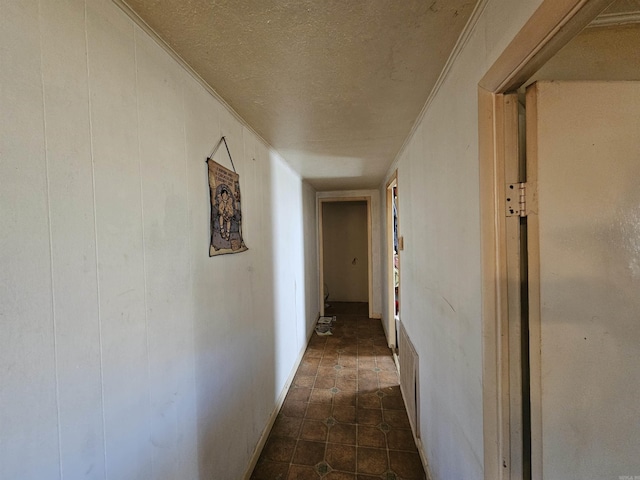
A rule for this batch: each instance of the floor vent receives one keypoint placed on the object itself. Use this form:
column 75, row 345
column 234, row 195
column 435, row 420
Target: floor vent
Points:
column 409, row 378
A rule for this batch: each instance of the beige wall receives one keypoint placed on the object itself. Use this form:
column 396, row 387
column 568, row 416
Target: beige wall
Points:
column 345, row 251
column 126, row 352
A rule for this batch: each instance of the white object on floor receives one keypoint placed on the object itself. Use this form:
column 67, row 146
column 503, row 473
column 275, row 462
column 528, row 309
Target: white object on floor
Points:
column 323, row 330
column 326, row 320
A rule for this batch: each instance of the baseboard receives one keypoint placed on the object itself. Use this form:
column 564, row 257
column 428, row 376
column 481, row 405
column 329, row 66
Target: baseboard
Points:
column 423, row 458
column 272, row 419
column 312, row 326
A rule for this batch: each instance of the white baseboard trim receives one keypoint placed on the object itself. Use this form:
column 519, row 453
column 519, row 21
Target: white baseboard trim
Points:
column 423, row 458
column 274, row 414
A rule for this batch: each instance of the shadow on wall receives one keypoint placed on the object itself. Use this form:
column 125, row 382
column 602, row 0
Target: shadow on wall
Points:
column 252, row 315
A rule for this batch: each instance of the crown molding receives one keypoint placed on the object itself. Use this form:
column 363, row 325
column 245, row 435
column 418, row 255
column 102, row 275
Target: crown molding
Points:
column 615, row 19
column 457, row 49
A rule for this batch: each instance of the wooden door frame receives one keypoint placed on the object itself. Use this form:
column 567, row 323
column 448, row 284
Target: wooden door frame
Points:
column 391, row 298
column 550, row 27
column 361, row 198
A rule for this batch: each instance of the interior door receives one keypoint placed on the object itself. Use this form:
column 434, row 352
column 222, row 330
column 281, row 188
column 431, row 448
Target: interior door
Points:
column 393, row 265
column 583, row 169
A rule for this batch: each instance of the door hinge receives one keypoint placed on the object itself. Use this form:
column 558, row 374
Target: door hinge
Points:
column 516, row 200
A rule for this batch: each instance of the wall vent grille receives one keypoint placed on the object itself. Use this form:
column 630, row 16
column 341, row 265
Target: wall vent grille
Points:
column 408, row 359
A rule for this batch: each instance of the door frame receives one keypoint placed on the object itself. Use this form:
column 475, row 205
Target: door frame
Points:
column 391, row 298
column 332, row 199
column 551, row 26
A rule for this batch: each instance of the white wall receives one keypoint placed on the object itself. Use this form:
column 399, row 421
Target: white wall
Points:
column 126, row 352
column 438, row 184
column 345, row 251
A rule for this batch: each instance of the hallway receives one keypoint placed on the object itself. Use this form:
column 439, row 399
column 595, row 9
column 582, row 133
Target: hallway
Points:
column 343, row 417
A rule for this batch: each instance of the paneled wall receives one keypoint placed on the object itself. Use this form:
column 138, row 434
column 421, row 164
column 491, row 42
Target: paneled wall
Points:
column 125, row 351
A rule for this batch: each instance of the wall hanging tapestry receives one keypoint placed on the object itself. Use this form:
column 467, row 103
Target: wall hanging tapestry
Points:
column 226, row 216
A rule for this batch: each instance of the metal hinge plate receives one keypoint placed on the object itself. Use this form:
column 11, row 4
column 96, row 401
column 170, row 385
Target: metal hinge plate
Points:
column 516, row 200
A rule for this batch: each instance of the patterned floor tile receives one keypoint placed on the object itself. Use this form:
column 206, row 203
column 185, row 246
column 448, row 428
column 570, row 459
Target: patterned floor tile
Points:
column 343, row 417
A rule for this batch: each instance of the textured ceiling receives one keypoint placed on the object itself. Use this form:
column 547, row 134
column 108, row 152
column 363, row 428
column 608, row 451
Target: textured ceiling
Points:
column 334, row 85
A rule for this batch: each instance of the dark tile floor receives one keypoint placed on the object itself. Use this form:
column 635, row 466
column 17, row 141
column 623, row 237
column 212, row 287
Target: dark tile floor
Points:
column 343, row 417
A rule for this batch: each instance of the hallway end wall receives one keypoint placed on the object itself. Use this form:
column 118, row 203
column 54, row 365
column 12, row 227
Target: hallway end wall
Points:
column 376, row 246
column 345, row 251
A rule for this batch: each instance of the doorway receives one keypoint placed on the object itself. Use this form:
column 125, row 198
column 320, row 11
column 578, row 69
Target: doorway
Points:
column 576, row 426
column 393, row 263
column 344, row 227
